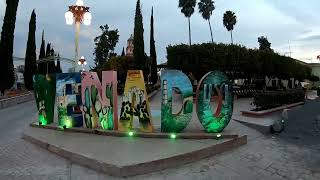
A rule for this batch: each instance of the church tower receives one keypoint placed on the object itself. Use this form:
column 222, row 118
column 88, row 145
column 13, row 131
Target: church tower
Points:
column 130, row 46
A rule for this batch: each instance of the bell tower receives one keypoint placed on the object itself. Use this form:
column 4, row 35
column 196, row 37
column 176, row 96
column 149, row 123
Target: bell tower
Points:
column 130, row 46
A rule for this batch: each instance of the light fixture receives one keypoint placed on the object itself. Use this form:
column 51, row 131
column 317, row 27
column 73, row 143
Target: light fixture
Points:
column 69, row 18
column 78, row 14
column 87, row 18
column 173, row 136
column 130, row 133
column 79, row 3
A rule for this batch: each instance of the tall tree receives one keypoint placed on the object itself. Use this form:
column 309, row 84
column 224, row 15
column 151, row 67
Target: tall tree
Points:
column 153, row 53
column 138, row 50
column 229, row 21
column 52, row 62
column 58, row 67
column 123, row 53
column 105, row 44
column 31, row 56
column 206, row 8
column 7, row 76
column 42, row 67
column 48, row 63
column 264, row 44
column 187, row 8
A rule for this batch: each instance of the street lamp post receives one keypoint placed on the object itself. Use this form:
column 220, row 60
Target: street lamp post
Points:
column 82, row 62
column 78, row 14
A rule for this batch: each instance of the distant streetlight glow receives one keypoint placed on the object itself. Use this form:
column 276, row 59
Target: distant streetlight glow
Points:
column 82, row 61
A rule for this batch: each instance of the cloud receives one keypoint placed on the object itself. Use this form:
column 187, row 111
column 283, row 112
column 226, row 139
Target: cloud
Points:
column 310, row 38
column 304, row 13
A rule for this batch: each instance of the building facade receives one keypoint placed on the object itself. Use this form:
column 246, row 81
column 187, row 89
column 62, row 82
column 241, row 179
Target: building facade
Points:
column 130, row 46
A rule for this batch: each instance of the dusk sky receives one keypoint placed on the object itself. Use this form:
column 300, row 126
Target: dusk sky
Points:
column 284, row 22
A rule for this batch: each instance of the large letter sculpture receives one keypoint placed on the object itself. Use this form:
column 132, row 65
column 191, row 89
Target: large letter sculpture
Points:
column 135, row 103
column 45, row 94
column 69, row 100
column 214, row 82
column 100, row 101
column 175, row 122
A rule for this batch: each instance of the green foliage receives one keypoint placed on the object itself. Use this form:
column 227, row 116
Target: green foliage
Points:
column 7, row 76
column 138, row 51
column 268, row 100
column 229, row 21
column 153, row 54
column 264, row 44
column 30, row 59
column 187, row 8
column 105, row 44
column 252, row 63
column 42, row 67
column 51, row 67
column 206, row 8
column 314, row 78
column 121, row 64
column 123, row 52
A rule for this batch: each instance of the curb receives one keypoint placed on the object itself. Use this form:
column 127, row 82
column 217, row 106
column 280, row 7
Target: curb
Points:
column 8, row 102
column 265, row 112
column 196, row 136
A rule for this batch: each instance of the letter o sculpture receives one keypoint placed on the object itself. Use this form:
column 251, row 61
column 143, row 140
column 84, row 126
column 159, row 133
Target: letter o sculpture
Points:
column 214, row 81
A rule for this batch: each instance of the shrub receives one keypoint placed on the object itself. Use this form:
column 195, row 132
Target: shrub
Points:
column 268, row 100
column 202, row 58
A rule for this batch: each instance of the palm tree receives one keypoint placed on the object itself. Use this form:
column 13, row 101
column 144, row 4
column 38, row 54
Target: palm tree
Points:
column 187, row 8
column 229, row 20
column 206, row 8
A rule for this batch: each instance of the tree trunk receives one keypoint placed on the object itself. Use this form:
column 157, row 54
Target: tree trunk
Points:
column 189, row 31
column 231, row 38
column 210, row 31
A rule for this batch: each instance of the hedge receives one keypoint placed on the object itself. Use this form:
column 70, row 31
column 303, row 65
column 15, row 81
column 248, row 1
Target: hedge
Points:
column 268, row 100
column 247, row 63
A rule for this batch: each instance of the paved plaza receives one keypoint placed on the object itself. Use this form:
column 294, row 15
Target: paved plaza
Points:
column 293, row 154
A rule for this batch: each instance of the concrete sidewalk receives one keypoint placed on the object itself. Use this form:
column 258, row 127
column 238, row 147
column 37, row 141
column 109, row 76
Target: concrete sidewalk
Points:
column 127, row 156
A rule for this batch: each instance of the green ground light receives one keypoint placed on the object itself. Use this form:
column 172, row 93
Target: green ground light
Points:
column 130, row 133
column 42, row 120
column 173, row 136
